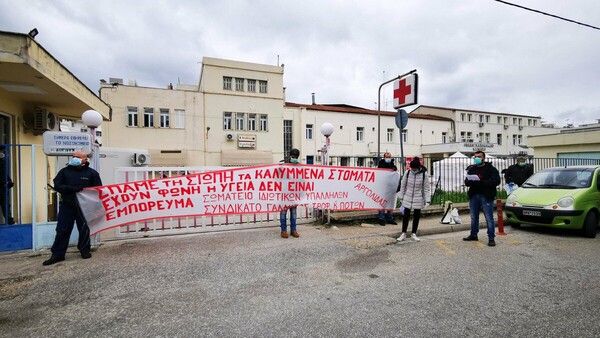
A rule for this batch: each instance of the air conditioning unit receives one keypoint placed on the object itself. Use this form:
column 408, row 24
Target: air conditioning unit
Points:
column 506, row 126
column 480, row 124
column 45, row 120
column 140, row 159
column 230, row 137
column 520, row 127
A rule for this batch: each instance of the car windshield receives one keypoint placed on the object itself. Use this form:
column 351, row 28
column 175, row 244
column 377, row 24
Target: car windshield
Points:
column 561, row 178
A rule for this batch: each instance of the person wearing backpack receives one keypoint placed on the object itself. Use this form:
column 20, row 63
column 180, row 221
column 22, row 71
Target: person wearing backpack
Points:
column 415, row 193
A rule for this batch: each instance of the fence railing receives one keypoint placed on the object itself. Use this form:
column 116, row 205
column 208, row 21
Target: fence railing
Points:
column 447, row 173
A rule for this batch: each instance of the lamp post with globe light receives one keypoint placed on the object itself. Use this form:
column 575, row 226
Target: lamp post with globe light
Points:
column 326, row 130
column 92, row 119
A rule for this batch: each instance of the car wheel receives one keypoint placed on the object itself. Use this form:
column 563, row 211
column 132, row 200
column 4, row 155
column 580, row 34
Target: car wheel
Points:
column 590, row 224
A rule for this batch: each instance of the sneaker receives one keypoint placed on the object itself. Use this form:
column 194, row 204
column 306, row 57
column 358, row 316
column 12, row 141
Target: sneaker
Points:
column 415, row 238
column 392, row 222
column 381, row 222
column 470, row 238
column 401, row 238
column 284, row 234
column 86, row 255
column 492, row 242
column 295, row 234
column 53, row 260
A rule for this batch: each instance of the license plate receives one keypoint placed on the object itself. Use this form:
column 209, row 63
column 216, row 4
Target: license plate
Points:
column 532, row 213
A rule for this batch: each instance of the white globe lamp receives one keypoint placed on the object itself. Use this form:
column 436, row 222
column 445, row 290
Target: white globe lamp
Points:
column 91, row 118
column 327, row 129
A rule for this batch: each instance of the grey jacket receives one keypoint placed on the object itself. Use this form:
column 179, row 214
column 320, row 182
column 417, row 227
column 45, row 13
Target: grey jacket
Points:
column 415, row 189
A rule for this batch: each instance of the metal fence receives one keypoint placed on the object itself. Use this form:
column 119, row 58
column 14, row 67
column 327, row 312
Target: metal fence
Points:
column 447, row 173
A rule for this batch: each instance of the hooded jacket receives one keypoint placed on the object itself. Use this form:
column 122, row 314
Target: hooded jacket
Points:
column 415, row 189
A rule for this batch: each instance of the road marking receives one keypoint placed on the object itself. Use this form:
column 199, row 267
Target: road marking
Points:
column 513, row 241
column 443, row 245
column 479, row 244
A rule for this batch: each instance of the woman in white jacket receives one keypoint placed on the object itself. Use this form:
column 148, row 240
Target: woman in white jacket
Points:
column 415, row 193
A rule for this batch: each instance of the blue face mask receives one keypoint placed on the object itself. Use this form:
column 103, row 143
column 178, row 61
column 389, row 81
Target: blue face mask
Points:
column 293, row 160
column 521, row 164
column 477, row 160
column 388, row 160
column 75, row 161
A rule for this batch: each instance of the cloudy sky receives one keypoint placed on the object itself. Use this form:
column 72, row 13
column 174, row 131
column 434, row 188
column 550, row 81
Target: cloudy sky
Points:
column 469, row 54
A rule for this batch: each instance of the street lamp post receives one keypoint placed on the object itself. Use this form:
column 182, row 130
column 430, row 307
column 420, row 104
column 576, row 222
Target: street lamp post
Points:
column 326, row 130
column 92, row 119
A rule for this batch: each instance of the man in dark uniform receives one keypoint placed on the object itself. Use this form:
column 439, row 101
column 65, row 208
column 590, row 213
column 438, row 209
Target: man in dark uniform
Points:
column 70, row 180
column 386, row 216
column 5, row 185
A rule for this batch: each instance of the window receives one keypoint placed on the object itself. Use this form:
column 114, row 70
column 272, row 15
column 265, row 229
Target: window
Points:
column 462, row 117
column 404, row 136
column 469, row 136
column 240, row 118
column 239, row 84
column 520, row 121
column 178, row 118
column 252, row 86
column 360, row 133
column 515, row 140
column 163, row 116
column 262, row 86
column 480, row 137
column 252, row 120
column 499, row 139
column 520, row 139
column 487, row 137
column 469, row 117
column 390, row 135
column 481, row 118
column 149, row 117
column 487, row 118
column 529, row 122
column 499, row 119
column 444, row 137
column 514, row 121
column 227, row 120
column 463, row 136
column 226, row 83
column 534, row 123
column 505, row 120
column 309, row 131
column 264, row 126
column 132, row 117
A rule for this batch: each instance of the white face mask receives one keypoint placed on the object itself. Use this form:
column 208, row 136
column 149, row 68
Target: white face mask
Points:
column 2, row 155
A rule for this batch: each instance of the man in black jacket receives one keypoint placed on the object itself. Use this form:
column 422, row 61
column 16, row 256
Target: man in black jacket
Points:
column 386, row 216
column 482, row 180
column 70, row 180
column 518, row 173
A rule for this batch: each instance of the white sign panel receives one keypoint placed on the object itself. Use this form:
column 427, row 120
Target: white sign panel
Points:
column 405, row 91
column 57, row 143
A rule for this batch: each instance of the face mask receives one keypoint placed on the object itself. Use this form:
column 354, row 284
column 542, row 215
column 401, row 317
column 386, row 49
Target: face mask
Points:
column 414, row 170
column 75, row 161
column 388, row 160
column 477, row 160
column 521, row 164
column 293, row 160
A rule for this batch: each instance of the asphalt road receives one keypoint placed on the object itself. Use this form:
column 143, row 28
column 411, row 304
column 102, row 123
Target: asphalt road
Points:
column 345, row 283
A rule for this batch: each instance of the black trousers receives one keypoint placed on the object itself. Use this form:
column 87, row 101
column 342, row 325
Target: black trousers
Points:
column 406, row 217
column 67, row 216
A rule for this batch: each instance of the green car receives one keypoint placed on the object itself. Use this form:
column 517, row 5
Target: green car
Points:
column 565, row 197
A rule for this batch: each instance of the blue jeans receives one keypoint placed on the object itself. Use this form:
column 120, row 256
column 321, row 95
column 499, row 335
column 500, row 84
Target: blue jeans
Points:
column 476, row 204
column 283, row 219
column 385, row 215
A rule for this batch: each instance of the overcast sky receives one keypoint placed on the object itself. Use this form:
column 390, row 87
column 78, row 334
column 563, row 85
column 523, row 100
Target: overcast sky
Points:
column 469, row 54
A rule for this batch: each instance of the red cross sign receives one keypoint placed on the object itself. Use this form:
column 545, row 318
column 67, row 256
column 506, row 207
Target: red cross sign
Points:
column 405, row 91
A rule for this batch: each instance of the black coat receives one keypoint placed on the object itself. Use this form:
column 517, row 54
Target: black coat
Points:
column 518, row 174
column 489, row 179
column 70, row 180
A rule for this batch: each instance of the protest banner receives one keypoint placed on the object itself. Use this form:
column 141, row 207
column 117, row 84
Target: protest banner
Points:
column 257, row 189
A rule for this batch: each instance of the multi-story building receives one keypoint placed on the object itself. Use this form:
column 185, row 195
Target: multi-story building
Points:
column 500, row 134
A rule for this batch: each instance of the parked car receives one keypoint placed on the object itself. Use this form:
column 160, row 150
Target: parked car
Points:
column 565, row 197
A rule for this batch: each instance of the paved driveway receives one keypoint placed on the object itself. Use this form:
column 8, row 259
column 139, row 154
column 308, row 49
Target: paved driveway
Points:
column 349, row 282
